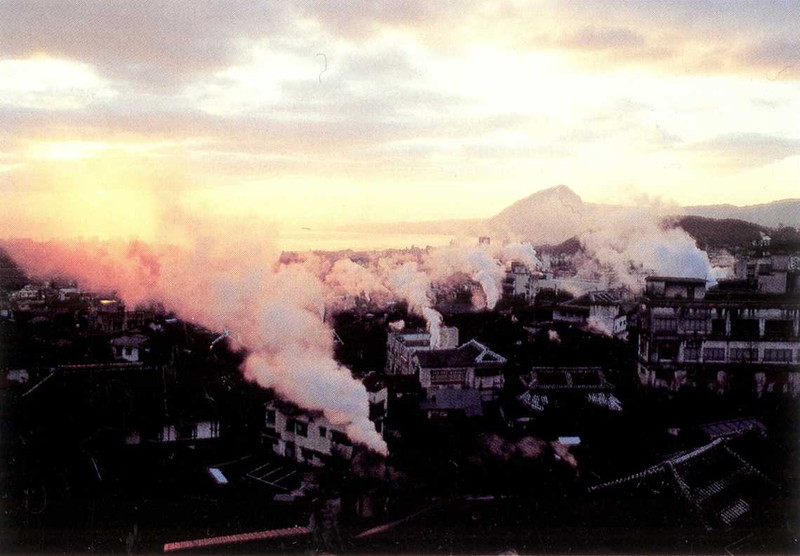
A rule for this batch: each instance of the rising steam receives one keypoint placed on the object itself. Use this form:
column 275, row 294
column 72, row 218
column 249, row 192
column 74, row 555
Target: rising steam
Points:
column 637, row 246
column 275, row 310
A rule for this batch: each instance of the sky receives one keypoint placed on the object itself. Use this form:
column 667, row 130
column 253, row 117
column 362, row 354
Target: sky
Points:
column 116, row 115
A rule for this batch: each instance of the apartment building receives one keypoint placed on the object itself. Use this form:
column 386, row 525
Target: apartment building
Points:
column 724, row 339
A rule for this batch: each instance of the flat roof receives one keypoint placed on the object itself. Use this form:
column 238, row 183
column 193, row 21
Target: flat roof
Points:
column 680, row 279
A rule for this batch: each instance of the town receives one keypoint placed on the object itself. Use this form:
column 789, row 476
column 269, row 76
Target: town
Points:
column 573, row 411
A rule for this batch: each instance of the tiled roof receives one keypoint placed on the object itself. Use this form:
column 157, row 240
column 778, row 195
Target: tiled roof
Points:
column 714, row 479
column 566, row 378
column 473, row 353
column 592, row 298
column 134, row 340
column 235, row 539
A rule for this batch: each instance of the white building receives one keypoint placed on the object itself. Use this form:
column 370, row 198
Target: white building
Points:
column 600, row 311
column 304, row 436
column 518, row 283
column 130, row 347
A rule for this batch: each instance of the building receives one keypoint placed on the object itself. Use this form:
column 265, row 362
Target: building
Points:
column 401, row 346
column 378, row 393
column 469, row 366
column 720, row 339
column 130, row 347
column 448, row 403
column 518, row 283
column 771, row 266
column 304, row 436
column 600, row 311
column 573, row 285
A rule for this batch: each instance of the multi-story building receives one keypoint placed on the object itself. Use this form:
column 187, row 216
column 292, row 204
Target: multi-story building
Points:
column 305, row 436
column 722, row 339
column 401, row 346
column 771, row 267
column 310, row 437
column 518, row 282
column 600, row 311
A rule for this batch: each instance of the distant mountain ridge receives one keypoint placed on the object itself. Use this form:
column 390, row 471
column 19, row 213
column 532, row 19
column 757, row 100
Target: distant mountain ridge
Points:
column 556, row 214
column 776, row 214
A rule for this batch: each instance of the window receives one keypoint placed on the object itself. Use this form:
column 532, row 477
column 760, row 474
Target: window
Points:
column 744, row 355
column 691, row 354
column 744, row 328
column 714, row 354
column 270, row 416
column 779, row 355
column 338, row 437
column 718, row 327
column 667, row 352
column 306, row 454
column 778, row 329
column 214, row 429
column 301, row 428
column 661, row 324
column 323, row 432
column 447, row 376
column 695, row 325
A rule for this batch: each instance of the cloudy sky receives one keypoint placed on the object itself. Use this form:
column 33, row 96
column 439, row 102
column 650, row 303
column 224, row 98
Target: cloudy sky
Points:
column 113, row 114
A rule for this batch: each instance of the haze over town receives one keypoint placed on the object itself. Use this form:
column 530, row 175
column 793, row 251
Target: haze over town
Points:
column 326, row 277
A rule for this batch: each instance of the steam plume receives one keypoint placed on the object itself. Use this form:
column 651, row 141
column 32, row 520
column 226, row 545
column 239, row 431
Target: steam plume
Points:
column 637, row 246
column 275, row 310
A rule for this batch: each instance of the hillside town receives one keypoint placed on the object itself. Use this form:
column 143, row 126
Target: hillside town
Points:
column 575, row 409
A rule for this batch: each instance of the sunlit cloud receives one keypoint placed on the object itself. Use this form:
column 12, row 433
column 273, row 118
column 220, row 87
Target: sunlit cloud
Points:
column 48, row 83
column 385, row 111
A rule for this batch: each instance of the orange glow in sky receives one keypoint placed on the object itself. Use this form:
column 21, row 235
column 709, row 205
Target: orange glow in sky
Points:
column 327, row 113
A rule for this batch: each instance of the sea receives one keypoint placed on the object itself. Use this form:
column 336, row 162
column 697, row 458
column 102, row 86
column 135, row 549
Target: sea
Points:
column 322, row 240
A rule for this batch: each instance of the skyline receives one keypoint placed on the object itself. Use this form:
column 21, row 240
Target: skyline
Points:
column 116, row 116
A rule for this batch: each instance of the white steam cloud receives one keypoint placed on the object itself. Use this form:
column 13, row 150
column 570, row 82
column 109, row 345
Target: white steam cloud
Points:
column 633, row 248
column 229, row 279
column 275, row 310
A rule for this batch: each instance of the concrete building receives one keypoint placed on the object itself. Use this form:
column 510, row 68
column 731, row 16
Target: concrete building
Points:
column 518, row 283
column 600, row 311
column 401, row 346
column 304, row 436
column 718, row 339
column 771, row 267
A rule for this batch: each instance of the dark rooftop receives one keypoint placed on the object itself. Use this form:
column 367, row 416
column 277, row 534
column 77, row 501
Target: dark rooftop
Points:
column 675, row 279
column 470, row 354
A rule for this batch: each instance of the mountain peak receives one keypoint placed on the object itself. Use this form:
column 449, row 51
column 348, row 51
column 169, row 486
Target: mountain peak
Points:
column 550, row 216
column 558, row 192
